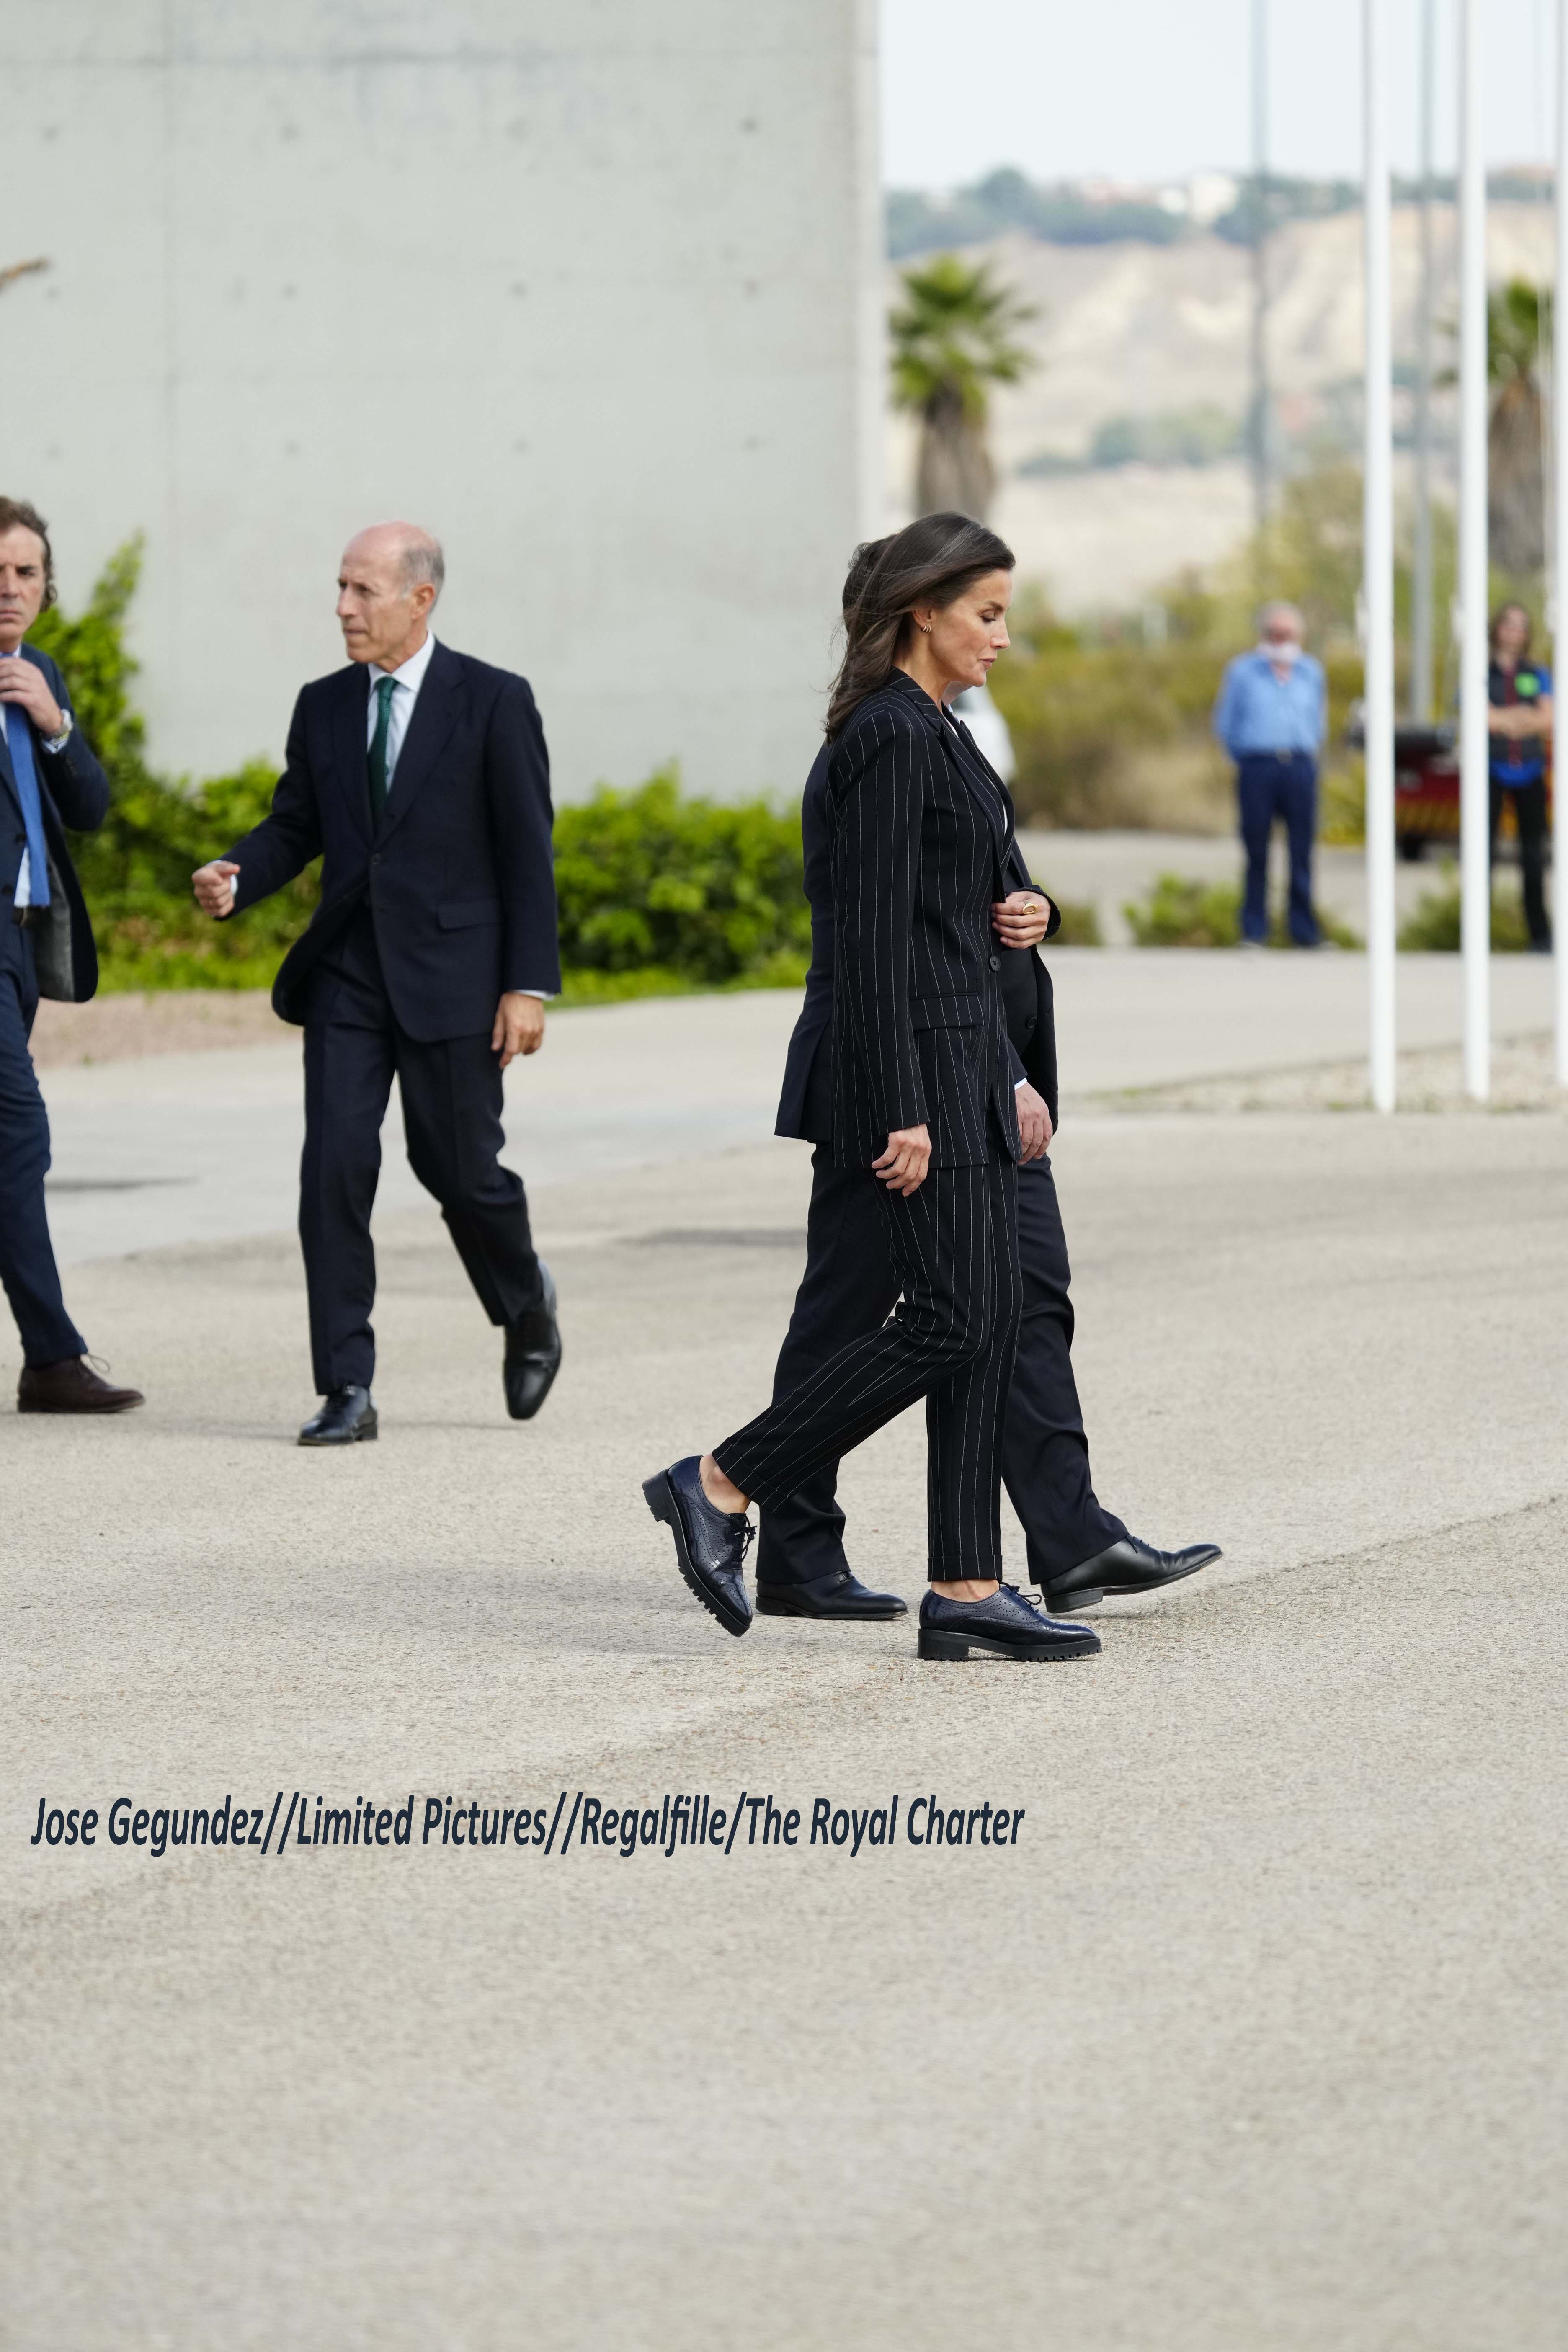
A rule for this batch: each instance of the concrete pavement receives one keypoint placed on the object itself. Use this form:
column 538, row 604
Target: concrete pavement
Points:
column 1252, row 2040
column 205, row 1145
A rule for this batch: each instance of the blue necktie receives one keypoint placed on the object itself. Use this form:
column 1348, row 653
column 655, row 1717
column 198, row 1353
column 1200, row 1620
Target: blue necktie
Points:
column 19, row 740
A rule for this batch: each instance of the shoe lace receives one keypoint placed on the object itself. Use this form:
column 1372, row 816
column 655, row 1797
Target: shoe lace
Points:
column 748, row 1538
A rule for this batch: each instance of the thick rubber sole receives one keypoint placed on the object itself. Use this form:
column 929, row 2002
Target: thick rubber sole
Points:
column 360, row 1437
column 779, row 1604
column 81, row 1412
column 659, row 1496
column 955, row 1648
column 1062, row 1601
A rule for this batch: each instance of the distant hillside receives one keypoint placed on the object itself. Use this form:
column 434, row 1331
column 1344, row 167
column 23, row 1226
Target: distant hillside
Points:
column 1100, row 211
column 1118, row 454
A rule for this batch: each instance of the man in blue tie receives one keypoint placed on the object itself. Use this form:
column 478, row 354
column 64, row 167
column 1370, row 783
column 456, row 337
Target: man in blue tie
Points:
column 49, row 778
column 1271, row 716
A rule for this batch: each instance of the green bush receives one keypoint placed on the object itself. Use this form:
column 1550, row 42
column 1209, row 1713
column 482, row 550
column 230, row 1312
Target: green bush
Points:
column 699, row 889
column 1079, row 925
column 1184, row 913
column 1181, row 913
column 1434, row 927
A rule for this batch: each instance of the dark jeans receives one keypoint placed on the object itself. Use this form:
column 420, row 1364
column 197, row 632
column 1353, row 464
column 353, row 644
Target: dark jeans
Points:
column 1269, row 787
column 955, row 1250
column 850, row 1287
column 27, row 1267
column 451, row 1113
column 1530, row 815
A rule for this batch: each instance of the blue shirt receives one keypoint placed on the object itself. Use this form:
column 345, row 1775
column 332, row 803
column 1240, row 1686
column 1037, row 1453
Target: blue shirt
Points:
column 1259, row 711
column 33, row 879
column 1518, row 760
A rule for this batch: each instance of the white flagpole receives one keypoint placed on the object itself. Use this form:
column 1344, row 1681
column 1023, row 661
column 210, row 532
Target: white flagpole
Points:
column 1474, row 827
column 1560, row 564
column 1378, row 563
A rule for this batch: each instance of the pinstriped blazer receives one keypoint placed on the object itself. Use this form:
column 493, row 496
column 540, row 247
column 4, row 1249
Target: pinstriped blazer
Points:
column 923, row 831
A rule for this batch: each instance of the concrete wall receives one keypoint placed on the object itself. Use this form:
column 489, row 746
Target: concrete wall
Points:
column 590, row 287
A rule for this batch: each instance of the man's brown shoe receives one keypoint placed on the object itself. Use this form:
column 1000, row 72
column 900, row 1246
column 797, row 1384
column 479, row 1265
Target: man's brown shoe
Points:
column 71, row 1386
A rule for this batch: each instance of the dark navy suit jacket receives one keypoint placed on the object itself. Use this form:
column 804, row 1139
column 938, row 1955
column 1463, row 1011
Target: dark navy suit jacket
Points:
column 805, row 1104
column 458, row 875
column 72, row 790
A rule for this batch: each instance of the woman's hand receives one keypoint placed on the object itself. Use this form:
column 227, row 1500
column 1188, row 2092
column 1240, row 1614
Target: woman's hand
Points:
column 1034, row 1125
column 1022, row 919
column 902, row 1167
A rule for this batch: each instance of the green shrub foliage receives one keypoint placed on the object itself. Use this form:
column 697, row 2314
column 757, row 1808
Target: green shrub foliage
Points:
column 1181, row 913
column 1434, row 927
column 708, row 891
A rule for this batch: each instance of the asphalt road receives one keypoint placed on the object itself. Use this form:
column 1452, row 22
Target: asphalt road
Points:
column 1252, row 2038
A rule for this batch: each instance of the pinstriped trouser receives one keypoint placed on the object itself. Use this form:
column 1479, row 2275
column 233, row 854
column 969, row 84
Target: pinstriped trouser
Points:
column 952, row 1338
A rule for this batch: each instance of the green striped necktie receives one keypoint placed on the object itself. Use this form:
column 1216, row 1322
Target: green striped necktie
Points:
column 385, row 687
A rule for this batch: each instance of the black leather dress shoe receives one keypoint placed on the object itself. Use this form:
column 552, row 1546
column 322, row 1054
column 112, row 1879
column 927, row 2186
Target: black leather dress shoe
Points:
column 1130, row 1566
column 347, row 1418
column 837, row 1594
column 1007, row 1625
column 532, row 1354
column 710, row 1544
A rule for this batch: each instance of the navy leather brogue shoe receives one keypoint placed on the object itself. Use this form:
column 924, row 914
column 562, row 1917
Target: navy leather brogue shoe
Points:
column 838, row 1594
column 710, row 1545
column 532, row 1354
column 347, row 1418
column 1008, row 1625
column 1130, row 1566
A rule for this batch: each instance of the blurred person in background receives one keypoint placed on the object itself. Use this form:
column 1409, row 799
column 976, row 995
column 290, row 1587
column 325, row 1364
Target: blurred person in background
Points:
column 976, row 709
column 1271, row 716
column 1520, row 692
column 49, row 778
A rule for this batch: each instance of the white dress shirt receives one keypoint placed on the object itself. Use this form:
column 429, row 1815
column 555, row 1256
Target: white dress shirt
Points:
column 408, row 679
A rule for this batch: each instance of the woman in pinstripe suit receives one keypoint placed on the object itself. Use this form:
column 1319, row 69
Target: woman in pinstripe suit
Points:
column 922, row 835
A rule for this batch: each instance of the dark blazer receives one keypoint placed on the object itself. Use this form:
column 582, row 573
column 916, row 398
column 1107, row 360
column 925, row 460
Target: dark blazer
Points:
column 458, row 875
column 72, row 790
column 805, row 1103
column 921, row 834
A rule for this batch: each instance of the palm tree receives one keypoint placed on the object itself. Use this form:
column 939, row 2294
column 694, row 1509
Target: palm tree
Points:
column 950, row 345
column 1518, row 332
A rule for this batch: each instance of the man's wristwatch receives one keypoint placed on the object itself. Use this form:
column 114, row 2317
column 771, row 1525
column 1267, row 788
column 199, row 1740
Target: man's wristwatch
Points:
column 67, row 727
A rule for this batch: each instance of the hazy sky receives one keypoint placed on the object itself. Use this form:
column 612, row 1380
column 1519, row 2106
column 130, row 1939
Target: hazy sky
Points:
column 1146, row 90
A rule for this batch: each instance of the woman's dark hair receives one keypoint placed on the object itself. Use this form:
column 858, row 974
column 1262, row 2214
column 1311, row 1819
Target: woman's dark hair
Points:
column 15, row 514
column 930, row 561
column 1512, row 605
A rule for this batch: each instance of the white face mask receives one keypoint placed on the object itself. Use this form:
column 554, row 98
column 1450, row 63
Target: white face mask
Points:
column 1281, row 654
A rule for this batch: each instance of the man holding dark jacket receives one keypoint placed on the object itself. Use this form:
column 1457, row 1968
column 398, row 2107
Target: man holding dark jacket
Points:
column 1078, row 1552
column 419, row 776
column 49, row 778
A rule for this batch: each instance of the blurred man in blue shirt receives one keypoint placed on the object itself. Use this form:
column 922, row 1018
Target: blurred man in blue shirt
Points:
column 1271, row 716
column 1520, row 692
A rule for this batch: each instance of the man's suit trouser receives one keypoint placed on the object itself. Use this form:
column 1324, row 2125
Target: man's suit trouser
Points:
column 953, row 1249
column 850, row 1287
column 451, row 1094
column 27, row 1267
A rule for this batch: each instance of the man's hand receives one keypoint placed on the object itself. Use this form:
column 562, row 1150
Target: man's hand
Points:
column 1033, row 1124
column 902, row 1167
column 1023, row 919
column 520, row 1027
column 24, row 683
column 214, row 886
